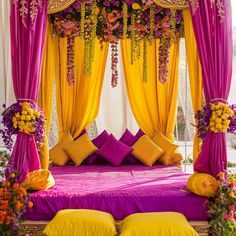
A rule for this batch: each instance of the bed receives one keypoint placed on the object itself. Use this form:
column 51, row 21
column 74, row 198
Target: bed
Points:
column 120, row 191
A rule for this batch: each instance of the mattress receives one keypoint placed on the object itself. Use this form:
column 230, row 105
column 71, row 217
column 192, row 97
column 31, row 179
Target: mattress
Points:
column 120, row 191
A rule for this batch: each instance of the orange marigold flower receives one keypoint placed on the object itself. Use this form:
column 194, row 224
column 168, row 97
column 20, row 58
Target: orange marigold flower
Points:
column 18, row 205
column 6, row 184
column 16, row 186
column 221, row 175
column 30, row 204
column 23, row 191
column 2, row 218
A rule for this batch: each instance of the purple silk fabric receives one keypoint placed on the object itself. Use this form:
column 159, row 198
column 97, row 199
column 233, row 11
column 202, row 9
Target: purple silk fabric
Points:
column 214, row 43
column 27, row 44
column 120, row 191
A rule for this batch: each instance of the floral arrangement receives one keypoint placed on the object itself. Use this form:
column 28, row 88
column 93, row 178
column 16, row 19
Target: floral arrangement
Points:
column 14, row 199
column 112, row 20
column 222, row 207
column 22, row 117
column 216, row 117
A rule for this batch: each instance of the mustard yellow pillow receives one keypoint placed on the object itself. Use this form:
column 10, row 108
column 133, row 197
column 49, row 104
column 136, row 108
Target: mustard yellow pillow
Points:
column 39, row 180
column 57, row 154
column 202, row 184
column 154, row 224
column 176, row 158
column 168, row 147
column 146, row 151
column 80, row 149
column 81, row 223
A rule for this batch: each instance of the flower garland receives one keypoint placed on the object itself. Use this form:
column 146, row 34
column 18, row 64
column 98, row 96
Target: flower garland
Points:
column 113, row 20
column 14, row 200
column 222, row 207
column 23, row 117
column 216, row 117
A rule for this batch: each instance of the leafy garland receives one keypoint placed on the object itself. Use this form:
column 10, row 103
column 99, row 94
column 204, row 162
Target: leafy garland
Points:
column 112, row 20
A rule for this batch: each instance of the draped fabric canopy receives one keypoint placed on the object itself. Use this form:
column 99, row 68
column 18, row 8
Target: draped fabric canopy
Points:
column 27, row 44
column 213, row 31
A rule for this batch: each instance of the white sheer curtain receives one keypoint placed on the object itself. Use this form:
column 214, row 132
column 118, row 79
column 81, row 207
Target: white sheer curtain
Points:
column 6, row 89
column 115, row 113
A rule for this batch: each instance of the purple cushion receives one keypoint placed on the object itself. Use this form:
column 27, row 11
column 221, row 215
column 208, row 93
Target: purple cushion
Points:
column 139, row 134
column 98, row 142
column 129, row 139
column 114, row 151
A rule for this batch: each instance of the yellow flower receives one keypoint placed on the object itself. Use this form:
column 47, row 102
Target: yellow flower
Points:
column 22, row 117
column 213, row 117
column 219, row 112
column 135, row 6
column 17, row 115
column 226, row 122
column 14, row 119
column 212, row 123
column 231, row 194
column 218, row 120
column 213, row 107
column 24, row 112
column 28, row 117
column 25, row 105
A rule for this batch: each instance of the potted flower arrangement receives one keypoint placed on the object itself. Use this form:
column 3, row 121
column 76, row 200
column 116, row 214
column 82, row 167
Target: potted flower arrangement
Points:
column 222, row 207
column 14, row 199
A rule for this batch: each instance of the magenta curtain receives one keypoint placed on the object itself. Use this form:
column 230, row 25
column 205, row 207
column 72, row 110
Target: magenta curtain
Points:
column 213, row 31
column 27, row 43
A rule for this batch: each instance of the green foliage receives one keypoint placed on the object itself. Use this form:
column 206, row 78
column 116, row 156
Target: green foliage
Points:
column 221, row 208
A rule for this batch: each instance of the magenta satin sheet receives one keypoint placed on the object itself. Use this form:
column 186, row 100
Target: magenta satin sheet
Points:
column 120, row 191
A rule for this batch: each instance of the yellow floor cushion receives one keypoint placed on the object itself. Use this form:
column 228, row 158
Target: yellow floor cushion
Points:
column 81, row 223
column 156, row 224
column 39, row 180
column 202, row 184
column 146, row 151
column 57, row 154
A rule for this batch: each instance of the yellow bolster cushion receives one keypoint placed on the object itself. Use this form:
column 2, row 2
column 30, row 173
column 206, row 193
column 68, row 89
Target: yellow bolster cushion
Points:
column 57, row 154
column 202, row 184
column 81, row 223
column 39, row 180
column 168, row 147
column 146, row 151
column 176, row 158
column 154, row 224
column 80, row 149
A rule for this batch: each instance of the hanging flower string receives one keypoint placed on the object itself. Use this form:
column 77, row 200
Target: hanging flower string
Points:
column 111, row 21
column 70, row 60
column 217, row 118
column 114, row 62
column 23, row 117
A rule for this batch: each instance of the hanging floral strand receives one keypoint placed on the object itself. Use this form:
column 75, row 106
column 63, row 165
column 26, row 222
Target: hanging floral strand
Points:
column 82, row 19
column 132, row 48
column 145, row 60
column 94, row 29
column 152, row 25
column 172, row 26
column 70, row 60
column 164, row 58
column 114, row 62
column 125, row 19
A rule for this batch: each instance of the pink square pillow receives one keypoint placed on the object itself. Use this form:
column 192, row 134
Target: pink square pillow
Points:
column 98, row 142
column 114, row 151
column 129, row 139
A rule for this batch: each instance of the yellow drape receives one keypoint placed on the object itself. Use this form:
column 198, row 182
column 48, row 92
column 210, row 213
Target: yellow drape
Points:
column 195, row 72
column 154, row 105
column 77, row 105
column 46, row 91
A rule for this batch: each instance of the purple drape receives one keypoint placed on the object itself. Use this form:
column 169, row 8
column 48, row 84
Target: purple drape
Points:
column 27, row 43
column 213, row 31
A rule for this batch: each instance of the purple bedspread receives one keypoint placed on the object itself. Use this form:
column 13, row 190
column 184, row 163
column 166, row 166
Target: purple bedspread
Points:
column 120, row 191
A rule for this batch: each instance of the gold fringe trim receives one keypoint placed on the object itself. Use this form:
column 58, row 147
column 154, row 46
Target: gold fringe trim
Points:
column 58, row 5
column 174, row 4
